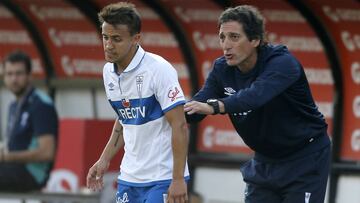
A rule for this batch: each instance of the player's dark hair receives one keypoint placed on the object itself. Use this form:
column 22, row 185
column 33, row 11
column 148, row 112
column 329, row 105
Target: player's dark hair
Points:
column 121, row 13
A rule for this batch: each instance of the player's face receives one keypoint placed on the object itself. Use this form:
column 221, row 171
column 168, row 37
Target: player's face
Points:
column 237, row 48
column 119, row 45
column 16, row 78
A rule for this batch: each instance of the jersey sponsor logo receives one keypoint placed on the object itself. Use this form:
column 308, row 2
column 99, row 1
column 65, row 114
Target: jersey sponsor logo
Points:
column 229, row 91
column 138, row 111
column 123, row 199
column 172, row 94
column 132, row 113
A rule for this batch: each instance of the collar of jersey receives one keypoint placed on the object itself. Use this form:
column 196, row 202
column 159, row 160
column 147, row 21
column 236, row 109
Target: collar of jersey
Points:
column 134, row 62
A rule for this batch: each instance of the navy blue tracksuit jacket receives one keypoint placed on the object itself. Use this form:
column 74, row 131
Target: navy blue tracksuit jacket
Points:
column 271, row 107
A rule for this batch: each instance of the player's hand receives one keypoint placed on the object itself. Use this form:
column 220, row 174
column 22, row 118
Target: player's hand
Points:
column 177, row 192
column 94, row 179
column 198, row 107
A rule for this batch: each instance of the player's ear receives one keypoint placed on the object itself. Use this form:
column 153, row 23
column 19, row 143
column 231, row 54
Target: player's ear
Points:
column 137, row 38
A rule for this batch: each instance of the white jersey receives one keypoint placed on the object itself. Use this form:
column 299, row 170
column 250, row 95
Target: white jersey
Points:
column 141, row 95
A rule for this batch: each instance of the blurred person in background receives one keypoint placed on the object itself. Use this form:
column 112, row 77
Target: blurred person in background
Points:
column 27, row 155
column 264, row 91
column 144, row 91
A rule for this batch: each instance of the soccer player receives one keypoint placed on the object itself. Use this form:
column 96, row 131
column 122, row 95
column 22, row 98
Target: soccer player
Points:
column 144, row 91
column 264, row 91
column 27, row 159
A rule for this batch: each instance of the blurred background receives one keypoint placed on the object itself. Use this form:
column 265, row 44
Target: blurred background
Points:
column 63, row 39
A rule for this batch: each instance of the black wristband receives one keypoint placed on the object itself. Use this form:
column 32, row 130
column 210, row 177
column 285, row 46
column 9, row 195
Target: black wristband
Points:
column 214, row 103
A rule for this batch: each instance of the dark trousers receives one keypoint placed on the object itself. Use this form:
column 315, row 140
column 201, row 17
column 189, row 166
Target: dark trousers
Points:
column 16, row 178
column 294, row 181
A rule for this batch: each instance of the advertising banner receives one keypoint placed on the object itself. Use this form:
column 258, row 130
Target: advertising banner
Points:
column 342, row 20
column 14, row 36
column 73, row 41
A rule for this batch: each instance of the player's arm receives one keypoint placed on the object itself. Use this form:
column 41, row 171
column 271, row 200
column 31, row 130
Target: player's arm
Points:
column 178, row 189
column 115, row 142
column 44, row 152
column 94, row 179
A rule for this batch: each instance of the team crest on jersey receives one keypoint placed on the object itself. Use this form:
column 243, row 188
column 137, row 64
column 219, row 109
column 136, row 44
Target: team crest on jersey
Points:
column 139, row 83
column 173, row 94
column 125, row 103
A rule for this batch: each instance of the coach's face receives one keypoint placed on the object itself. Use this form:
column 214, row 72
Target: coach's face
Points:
column 16, row 78
column 119, row 45
column 238, row 49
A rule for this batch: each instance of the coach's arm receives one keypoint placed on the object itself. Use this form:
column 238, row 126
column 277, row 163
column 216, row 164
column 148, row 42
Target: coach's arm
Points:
column 45, row 151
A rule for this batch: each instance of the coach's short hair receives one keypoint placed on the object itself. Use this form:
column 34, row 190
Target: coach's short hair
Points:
column 121, row 13
column 249, row 17
column 19, row 56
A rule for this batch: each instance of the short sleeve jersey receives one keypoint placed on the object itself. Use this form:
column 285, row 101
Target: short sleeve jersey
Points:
column 141, row 95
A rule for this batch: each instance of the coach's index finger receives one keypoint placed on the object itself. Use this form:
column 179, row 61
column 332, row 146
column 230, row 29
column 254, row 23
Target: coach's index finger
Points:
column 189, row 107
